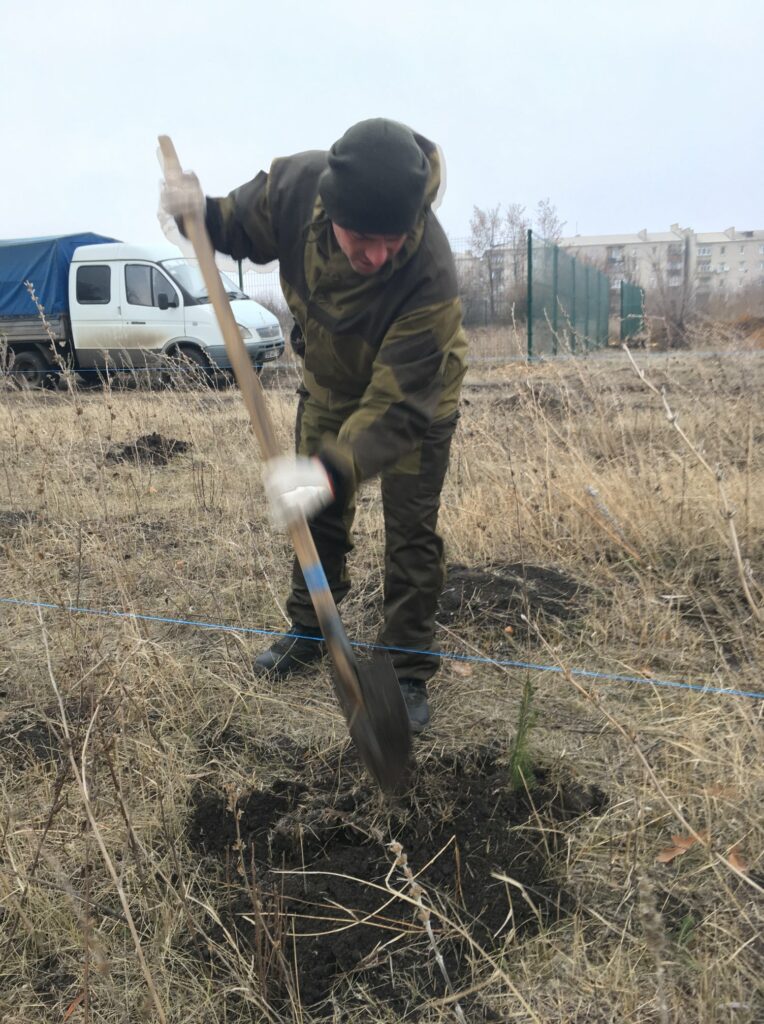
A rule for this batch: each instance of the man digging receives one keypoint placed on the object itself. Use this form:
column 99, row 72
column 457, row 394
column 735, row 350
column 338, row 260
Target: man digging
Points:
column 368, row 275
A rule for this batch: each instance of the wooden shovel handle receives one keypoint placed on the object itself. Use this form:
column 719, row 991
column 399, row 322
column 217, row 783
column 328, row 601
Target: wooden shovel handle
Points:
column 247, row 379
column 254, row 399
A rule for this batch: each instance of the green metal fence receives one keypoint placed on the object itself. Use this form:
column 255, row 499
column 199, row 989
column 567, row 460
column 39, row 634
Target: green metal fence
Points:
column 632, row 310
column 563, row 303
column 568, row 301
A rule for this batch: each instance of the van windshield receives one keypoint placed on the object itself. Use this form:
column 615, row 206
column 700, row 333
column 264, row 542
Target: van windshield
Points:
column 187, row 274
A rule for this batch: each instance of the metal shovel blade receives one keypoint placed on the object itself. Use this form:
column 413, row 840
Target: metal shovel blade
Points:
column 379, row 726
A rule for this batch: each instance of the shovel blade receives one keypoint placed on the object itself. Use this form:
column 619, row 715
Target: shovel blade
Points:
column 379, row 726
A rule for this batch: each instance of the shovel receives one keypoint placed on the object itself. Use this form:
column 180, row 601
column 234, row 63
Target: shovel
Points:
column 368, row 692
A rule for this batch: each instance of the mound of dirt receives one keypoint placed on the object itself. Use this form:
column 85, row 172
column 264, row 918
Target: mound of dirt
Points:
column 150, row 448
column 10, row 520
column 321, row 876
column 502, row 593
column 37, row 741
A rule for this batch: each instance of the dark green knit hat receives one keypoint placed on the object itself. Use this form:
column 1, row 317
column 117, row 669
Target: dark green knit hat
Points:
column 376, row 179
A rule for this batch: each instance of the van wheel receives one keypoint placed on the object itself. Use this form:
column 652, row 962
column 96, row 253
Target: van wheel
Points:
column 29, row 370
column 89, row 380
column 187, row 367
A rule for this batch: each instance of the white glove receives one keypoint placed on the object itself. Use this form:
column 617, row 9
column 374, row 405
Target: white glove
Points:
column 295, row 485
column 181, row 196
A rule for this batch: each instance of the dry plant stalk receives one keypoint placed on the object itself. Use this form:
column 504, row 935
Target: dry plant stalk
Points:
column 655, row 940
column 270, row 945
column 95, row 955
column 109, row 863
column 425, row 916
column 727, row 511
column 66, row 371
column 631, row 736
column 55, row 805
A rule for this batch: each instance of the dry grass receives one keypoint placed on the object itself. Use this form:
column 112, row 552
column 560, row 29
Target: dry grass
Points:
column 571, row 465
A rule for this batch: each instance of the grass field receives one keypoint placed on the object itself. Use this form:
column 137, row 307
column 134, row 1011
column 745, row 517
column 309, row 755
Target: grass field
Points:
column 183, row 841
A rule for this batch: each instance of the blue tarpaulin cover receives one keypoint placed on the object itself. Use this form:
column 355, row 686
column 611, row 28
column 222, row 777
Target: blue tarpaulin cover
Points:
column 44, row 262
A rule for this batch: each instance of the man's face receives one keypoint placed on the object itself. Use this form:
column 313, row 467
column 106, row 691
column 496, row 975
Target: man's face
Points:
column 367, row 253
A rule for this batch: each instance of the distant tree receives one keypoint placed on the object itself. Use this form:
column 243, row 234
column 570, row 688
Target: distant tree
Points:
column 472, row 288
column 517, row 224
column 743, row 304
column 487, row 239
column 548, row 223
column 498, row 242
column 671, row 299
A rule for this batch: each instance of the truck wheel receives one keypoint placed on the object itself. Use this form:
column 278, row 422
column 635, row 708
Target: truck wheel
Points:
column 30, row 370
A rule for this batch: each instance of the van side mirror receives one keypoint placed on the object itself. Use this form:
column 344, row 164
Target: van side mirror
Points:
column 163, row 301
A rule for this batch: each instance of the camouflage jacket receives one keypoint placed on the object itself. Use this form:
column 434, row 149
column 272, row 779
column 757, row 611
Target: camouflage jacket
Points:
column 387, row 351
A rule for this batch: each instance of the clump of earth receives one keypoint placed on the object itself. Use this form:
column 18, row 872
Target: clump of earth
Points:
column 502, row 592
column 150, row 448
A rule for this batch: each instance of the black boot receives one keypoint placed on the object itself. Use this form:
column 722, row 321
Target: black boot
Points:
column 415, row 697
column 291, row 654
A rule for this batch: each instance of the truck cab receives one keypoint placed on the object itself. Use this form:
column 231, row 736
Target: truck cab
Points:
column 111, row 306
column 134, row 305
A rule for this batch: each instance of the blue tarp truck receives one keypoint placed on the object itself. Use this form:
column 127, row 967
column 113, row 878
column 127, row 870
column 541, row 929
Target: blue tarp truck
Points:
column 108, row 306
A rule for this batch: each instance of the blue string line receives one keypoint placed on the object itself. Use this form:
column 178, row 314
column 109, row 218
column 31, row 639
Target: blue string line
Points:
column 83, row 371
column 586, row 673
column 506, row 357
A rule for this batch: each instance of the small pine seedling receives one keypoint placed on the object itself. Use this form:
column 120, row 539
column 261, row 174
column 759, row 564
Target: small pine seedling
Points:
column 521, row 774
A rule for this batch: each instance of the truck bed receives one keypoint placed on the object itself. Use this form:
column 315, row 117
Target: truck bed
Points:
column 31, row 328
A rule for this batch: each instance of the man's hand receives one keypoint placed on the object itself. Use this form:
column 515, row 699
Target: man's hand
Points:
column 182, row 196
column 295, row 485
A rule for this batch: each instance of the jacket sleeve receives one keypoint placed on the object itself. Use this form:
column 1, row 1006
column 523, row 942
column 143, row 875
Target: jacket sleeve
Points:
column 240, row 225
column 402, row 398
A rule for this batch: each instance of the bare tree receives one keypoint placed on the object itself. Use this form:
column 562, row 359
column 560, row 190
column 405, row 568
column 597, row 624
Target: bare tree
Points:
column 487, row 239
column 672, row 297
column 548, row 223
column 517, row 224
column 498, row 241
column 742, row 305
column 472, row 291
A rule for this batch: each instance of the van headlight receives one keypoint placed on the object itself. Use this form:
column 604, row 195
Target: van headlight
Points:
column 244, row 332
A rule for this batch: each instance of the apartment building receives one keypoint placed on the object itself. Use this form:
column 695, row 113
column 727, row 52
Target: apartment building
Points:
column 708, row 262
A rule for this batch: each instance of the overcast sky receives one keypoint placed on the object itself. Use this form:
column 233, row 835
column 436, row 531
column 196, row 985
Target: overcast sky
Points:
column 628, row 114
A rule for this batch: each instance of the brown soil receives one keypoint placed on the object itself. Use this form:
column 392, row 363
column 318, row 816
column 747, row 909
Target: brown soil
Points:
column 487, row 596
column 314, row 840
column 29, row 742
column 151, row 448
column 501, row 593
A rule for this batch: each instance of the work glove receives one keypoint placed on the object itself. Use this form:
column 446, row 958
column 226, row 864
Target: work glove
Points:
column 181, row 196
column 295, row 486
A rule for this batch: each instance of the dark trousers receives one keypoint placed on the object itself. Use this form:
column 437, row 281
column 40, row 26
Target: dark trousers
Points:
column 414, row 562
